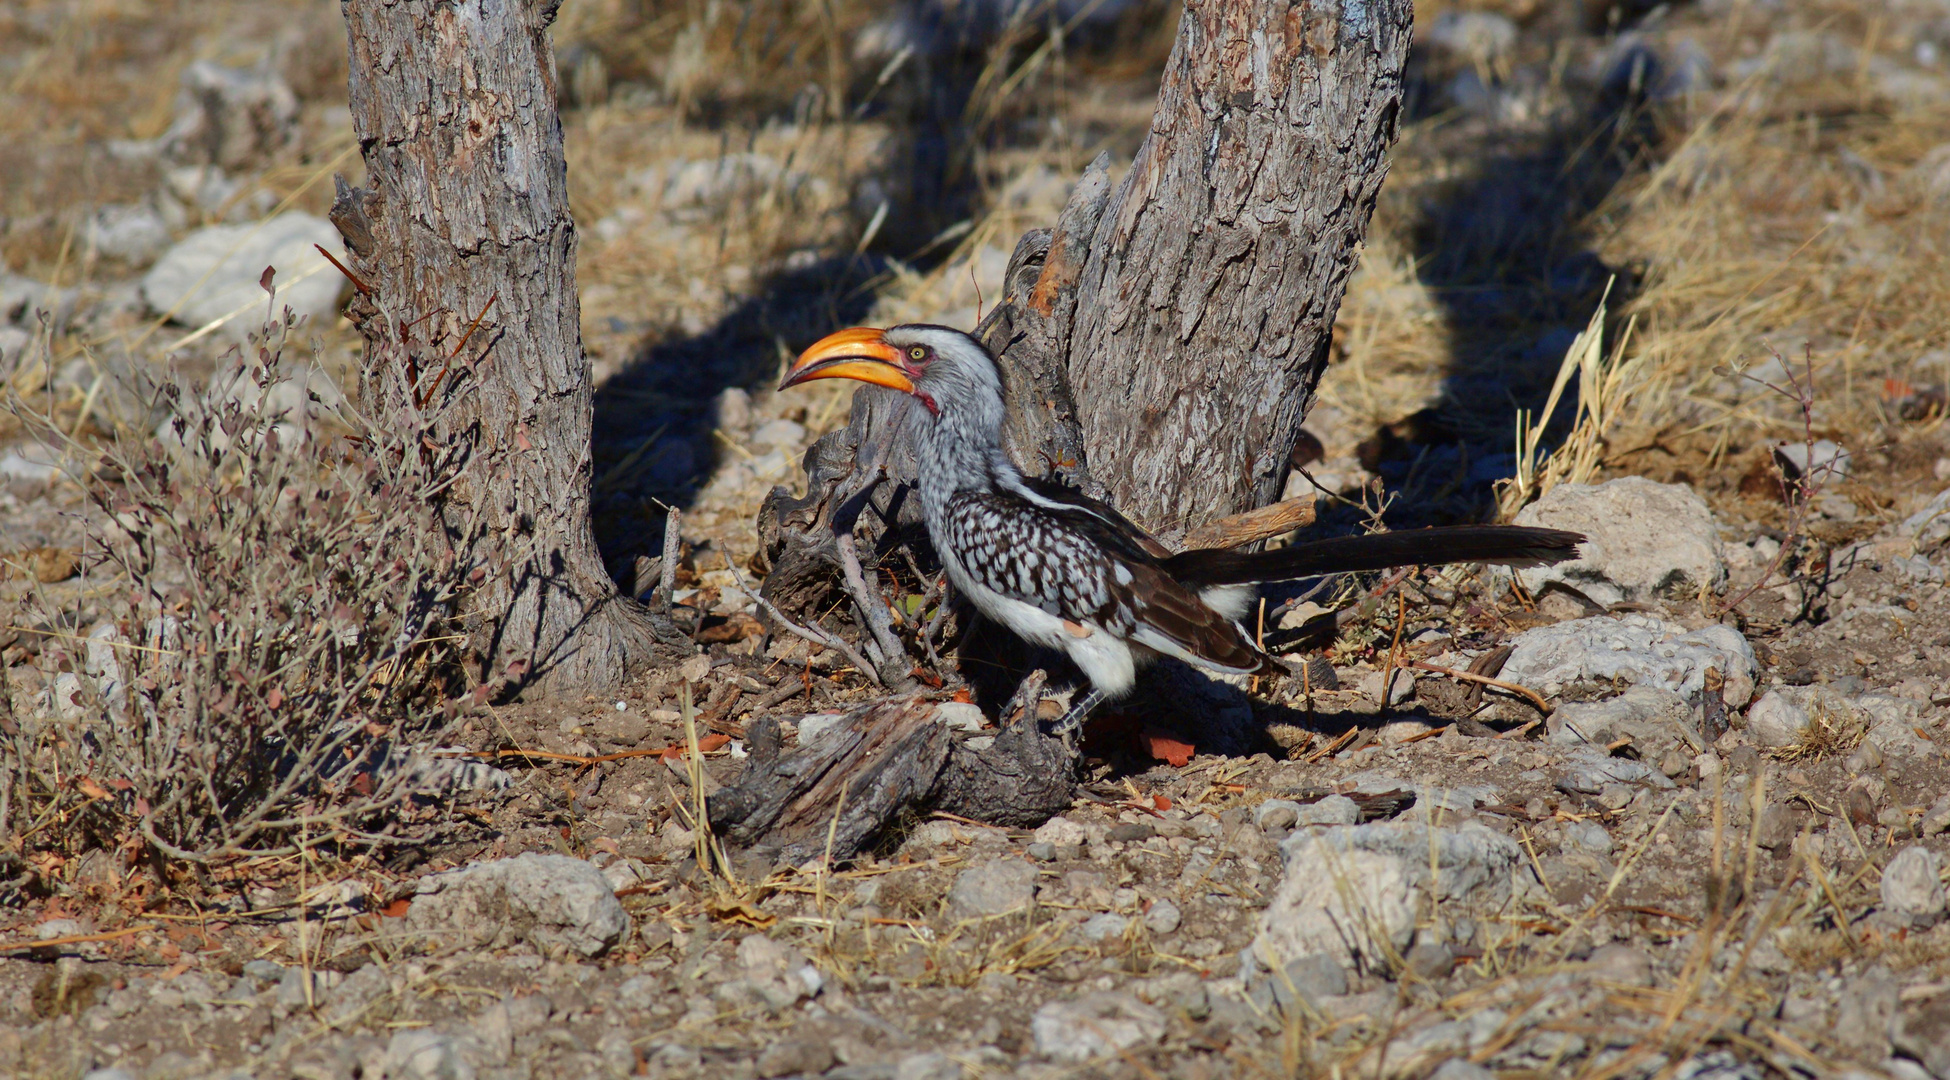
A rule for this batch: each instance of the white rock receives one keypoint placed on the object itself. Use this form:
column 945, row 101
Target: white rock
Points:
column 1353, row 893
column 21, row 297
column 1416, row 1052
column 1651, row 717
column 734, row 409
column 1163, row 917
column 1448, row 797
column 14, row 343
column 1889, row 722
column 1912, row 883
column 204, row 187
column 1401, row 686
column 1637, row 649
column 562, row 906
column 932, row 1065
column 996, row 887
column 1929, row 526
column 1827, row 464
column 1917, row 568
column 1095, row 1026
column 1276, row 814
column 449, row 775
column 1331, row 810
column 1645, row 541
column 230, row 117
column 426, row 1055
column 1105, row 926
column 1461, row 1069
column 68, row 698
column 694, row 668
column 104, row 663
column 1777, row 720
column 1477, row 37
column 779, row 434
column 28, row 464
column 1892, row 725
column 815, row 727
column 1587, row 836
column 134, row 234
column 1060, row 831
column 214, row 271
column 60, row 928
column 1588, row 770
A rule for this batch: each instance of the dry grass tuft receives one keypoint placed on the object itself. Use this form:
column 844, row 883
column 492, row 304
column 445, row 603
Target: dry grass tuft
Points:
column 1833, row 728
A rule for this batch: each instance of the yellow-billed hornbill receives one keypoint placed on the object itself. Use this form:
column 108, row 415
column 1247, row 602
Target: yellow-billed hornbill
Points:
column 1068, row 572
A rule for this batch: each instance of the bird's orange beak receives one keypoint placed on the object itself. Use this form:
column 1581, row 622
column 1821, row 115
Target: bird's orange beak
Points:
column 859, row 353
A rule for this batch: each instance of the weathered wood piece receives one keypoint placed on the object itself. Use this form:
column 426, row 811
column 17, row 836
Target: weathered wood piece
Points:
column 465, row 253
column 1253, row 526
column 885, row 763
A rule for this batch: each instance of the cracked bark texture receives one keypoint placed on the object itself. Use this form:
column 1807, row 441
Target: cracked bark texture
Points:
column 1204, row 309
column 465, row 253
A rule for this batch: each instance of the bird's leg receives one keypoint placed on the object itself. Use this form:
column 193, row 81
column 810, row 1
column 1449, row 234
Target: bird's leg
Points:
column 1079, row 712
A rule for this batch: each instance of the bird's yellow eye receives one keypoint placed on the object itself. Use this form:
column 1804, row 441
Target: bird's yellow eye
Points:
column 918, row 353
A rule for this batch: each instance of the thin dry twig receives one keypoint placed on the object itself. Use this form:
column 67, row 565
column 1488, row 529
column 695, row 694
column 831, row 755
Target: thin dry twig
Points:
column 1801, row 491
column 813, row 634
column 71, row 939
column 1534, row 697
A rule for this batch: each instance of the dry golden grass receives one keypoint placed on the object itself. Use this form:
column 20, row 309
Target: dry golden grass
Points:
column 1786, row 209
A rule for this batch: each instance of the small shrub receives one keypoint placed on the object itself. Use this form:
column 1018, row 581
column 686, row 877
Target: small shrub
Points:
column 272, row 642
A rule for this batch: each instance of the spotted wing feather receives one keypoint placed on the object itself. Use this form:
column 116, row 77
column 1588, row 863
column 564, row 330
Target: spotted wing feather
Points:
column 1079, row 566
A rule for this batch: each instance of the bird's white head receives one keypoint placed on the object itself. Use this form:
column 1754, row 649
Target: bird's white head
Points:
column 946, row 370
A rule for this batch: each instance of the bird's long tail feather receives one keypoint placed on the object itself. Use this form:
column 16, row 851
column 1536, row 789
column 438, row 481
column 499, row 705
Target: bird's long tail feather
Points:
column 1508, row 545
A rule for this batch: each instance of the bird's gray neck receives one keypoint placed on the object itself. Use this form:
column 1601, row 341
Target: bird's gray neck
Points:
column 961, row 450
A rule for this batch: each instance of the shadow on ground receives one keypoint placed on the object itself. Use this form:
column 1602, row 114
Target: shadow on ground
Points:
column 1508, row 253
column 658, row 414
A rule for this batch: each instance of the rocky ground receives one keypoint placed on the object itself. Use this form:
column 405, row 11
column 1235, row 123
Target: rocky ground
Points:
column 1643, row 880
column 1679, row 809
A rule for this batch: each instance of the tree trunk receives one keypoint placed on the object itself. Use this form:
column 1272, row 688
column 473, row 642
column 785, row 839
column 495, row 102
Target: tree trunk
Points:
column 1205, row 305
column 465, row 256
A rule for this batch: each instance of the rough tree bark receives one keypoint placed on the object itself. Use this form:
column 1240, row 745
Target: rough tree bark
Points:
column 1207, row 297
column 1160, row 345
column 465, row 255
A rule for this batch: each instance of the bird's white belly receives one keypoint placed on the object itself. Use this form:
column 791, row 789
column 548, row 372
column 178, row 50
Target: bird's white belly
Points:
column 1107, row 661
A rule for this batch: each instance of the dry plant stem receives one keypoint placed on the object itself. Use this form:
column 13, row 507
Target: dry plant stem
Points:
column 1805, row 487
column 1534, row 697
column 1354, row 613
column 936, row 596
column 1394, row 651
column 673, row 545
column 873, row 612
column 71, row 939
column 810, row 633
column 247, row 698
